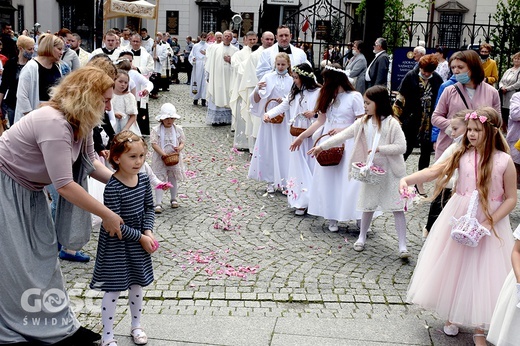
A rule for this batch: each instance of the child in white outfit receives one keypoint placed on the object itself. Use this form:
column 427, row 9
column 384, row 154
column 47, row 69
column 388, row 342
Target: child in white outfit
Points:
column 167, row 138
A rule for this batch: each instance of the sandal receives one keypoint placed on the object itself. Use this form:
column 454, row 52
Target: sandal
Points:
column 142, row 339
column 404, row 254
column 106, row 343
column 359, row 246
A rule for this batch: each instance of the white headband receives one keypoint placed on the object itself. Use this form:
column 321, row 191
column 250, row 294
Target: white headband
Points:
column 330, row 67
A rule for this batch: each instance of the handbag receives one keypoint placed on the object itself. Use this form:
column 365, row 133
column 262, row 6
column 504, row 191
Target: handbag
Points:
column 366, row 172
column 466, row 230
column 73, row 225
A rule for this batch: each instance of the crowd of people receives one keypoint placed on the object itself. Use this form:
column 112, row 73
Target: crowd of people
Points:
column 336, row 149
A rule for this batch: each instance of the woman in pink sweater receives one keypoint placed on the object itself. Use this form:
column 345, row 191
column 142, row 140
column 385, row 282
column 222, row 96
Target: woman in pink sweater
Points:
column 470, row 92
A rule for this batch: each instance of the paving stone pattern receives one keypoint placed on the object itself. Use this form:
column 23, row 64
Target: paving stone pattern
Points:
column 230, row 249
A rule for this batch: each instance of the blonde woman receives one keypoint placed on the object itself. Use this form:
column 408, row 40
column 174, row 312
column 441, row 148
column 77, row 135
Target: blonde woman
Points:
column 36, row 151
column 44, row 67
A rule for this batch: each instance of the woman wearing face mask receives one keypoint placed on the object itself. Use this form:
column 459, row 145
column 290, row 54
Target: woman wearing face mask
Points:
column 489, row 65
column 470, row 92
column 10, row 76
column 417, row 95
column 357, row 67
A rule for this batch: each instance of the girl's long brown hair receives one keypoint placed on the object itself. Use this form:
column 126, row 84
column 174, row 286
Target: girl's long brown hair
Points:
column 493, row 141
column 332, row 81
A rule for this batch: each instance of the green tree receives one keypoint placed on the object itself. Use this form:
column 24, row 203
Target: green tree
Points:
column 505, row 35
column 396, row 21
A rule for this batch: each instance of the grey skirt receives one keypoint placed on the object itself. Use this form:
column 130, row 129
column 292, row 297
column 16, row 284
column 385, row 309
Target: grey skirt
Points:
column 34, row 304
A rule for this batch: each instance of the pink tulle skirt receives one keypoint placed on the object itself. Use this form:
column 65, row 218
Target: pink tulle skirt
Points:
column 461, row 283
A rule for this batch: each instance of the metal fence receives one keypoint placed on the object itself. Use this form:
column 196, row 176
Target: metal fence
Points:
column 451, row 33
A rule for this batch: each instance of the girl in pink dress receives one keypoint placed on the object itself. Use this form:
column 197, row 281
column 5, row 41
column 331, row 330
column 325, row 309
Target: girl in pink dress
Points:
column 462, row 283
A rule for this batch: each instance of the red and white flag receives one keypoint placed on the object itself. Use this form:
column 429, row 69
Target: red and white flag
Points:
column 306, row 24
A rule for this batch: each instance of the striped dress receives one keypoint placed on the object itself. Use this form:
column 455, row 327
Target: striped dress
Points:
column 122, row 263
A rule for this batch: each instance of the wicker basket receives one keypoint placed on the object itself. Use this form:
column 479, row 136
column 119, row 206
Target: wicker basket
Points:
column 329, row 157
column 371, row 176
column 277, row 119
column 466, row 230
column 294, row 130
column 171, row 159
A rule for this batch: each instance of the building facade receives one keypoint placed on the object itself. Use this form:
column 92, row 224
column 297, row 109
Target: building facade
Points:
column 190, row 17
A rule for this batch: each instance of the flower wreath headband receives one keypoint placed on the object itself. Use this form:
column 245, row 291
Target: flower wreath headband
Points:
column 303, row 73
column 474, row 116
column 329, row 67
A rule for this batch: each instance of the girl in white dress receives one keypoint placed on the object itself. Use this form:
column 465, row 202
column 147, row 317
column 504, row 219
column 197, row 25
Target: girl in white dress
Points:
column 389, row 152
column 299, row 107
column 506, row 318
column 167, row 138
column 332, row 195
column 269, row 160
column 124, row 105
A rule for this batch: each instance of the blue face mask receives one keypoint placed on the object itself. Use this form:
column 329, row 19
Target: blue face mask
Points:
column 27, row 55
column 281, row 72
column 462, row 78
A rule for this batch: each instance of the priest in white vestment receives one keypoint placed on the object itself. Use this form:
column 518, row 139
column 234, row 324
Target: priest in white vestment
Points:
column 283, row 39
column 219, row 69
column 247, row 86
column 143, row 61
column 238, row 61
column 197, row 59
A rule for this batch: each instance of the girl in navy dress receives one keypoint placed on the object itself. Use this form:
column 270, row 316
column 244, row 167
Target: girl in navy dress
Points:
column 125, row 263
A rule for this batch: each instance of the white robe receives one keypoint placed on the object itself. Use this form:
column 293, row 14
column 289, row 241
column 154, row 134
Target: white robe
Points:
column 219, row 84
column 270, row 160
column 144, row 62
column 248, row 84
column 332, row 195
column 237, row 122
column 266, row 62
column 220, row 73
column 197, row 58
column 160, row 52
column 301, row 165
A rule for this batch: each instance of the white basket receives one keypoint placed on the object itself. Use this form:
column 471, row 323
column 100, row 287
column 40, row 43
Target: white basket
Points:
column 467, row 230
column 360, row 172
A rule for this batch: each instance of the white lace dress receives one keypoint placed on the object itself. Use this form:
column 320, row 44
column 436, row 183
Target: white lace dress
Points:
column 172, row 137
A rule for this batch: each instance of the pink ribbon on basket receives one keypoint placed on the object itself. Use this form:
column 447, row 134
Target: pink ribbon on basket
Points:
column 409, row 193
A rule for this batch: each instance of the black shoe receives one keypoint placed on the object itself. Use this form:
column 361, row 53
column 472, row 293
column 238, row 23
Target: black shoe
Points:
column 187, row 83
column 203, row 103
column 195, row 102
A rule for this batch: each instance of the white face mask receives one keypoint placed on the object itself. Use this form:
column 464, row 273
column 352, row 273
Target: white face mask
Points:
column 355, row 52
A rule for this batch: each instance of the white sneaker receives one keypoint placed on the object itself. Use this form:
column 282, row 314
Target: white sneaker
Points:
column 451, row 330
column 270, row 188
column 333, row 226
column 300, row 212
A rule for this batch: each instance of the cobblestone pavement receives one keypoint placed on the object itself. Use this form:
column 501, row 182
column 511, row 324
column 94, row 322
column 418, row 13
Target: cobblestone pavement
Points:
column 232, row 250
